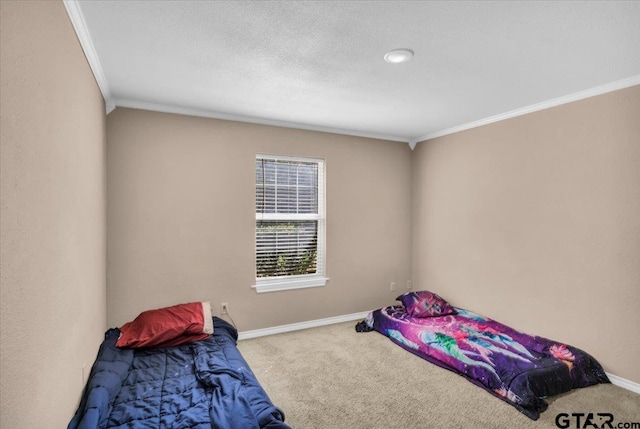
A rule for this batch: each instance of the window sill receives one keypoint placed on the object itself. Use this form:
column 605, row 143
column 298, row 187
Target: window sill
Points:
column 287, row 283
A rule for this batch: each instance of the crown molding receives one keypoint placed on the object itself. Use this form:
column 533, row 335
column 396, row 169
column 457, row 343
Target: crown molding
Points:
column 580, row 95
column 166, row 108
column 80, row 26
column 77, row 20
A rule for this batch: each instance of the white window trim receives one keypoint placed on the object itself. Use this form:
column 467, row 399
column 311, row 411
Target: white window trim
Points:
column 275, row 284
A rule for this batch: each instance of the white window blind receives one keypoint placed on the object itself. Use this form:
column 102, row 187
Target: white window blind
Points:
column 289, row 223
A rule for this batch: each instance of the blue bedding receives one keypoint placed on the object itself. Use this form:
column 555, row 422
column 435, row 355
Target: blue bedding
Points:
column 206, row 384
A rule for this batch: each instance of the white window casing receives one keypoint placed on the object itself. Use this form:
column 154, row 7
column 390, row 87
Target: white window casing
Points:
column 290, row 223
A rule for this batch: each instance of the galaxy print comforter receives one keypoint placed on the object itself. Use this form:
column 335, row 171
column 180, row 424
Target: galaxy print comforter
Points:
column 518, row 368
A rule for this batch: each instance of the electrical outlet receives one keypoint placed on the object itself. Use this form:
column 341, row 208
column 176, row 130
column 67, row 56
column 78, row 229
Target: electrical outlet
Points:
column 224, row 308
column 393, row 286
column 409, row 285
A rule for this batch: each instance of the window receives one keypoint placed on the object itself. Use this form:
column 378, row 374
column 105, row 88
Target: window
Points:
column 289, row 223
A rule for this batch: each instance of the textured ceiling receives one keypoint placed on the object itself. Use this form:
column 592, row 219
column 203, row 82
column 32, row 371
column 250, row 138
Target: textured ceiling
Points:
column 320, row 64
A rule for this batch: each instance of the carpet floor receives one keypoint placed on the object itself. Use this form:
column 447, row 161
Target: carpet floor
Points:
column 332, row 377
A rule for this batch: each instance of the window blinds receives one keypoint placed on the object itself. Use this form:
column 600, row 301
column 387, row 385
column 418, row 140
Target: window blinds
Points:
column 289, row 209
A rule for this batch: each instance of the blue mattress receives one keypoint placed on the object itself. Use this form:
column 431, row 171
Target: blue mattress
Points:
column 206, row 384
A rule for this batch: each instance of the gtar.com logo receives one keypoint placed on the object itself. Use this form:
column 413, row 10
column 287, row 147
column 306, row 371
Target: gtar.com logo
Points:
column 584, row 420
column 591, row 420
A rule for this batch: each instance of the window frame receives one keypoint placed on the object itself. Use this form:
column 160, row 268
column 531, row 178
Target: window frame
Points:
column 318, row 279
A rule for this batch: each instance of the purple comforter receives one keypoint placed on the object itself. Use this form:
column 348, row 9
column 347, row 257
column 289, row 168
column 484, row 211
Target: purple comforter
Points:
column 518, row 368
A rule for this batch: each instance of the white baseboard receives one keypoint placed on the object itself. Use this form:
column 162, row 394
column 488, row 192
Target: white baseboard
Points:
column 618, row 381
column 624, row 383
column 245, row 335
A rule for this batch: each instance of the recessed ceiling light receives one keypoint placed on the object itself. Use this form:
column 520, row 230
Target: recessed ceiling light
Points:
column 398, row 56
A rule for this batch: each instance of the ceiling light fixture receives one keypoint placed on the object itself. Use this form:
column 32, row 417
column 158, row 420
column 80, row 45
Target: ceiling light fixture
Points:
column 398, row 56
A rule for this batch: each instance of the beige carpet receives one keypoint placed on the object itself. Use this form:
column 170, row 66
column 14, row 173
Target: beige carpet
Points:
column 332, row 377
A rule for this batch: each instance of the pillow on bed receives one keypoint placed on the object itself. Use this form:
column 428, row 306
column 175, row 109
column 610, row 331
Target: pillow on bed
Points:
column 425, row 304
column 169, row 326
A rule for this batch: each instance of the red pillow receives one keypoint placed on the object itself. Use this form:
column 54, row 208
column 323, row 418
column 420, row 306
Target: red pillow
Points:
column 169, row 326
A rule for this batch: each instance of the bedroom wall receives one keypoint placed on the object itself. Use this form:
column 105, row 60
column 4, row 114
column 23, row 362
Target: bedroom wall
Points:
column 181, row 218
column 534, row 221
column 52, row 227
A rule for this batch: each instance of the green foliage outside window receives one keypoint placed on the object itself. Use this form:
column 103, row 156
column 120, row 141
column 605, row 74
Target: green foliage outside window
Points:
column 286, row 261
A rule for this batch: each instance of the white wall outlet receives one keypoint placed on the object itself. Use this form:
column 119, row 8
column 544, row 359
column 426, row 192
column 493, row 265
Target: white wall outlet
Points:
column 393, row 286
column 409, row 285
column 224, row 308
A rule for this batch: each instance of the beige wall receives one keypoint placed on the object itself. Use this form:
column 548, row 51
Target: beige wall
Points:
column 52, row 175
column 535, row 221
column 181, row 218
